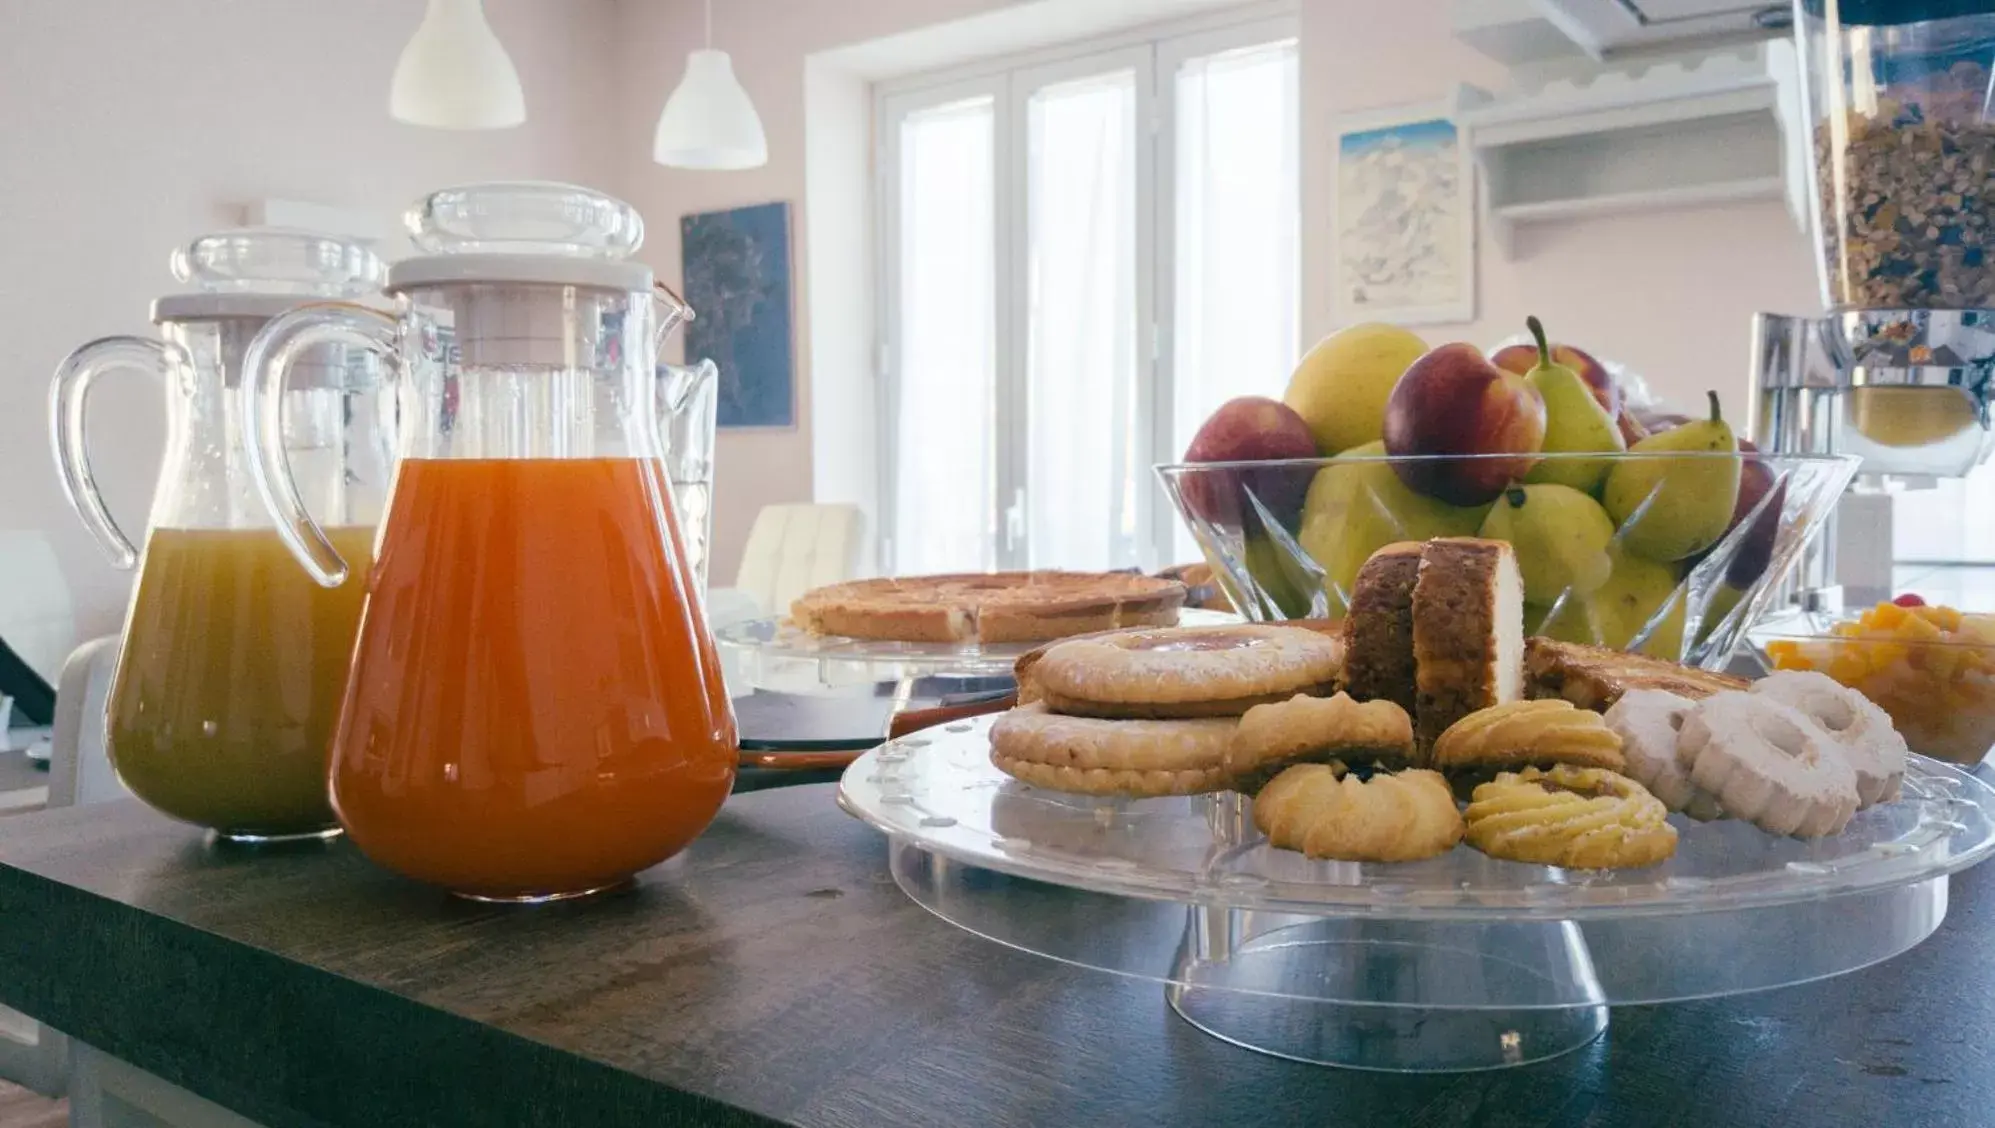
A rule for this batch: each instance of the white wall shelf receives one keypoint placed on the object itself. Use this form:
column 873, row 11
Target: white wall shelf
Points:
column 1580, row 141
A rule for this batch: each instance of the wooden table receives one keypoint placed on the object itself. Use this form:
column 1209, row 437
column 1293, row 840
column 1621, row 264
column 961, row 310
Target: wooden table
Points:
column 776, row 972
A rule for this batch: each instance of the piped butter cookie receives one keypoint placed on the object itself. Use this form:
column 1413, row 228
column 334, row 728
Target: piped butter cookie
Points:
column 1580, row 818
column 1325, row 812
column 1307, row 729
column 1519, row 734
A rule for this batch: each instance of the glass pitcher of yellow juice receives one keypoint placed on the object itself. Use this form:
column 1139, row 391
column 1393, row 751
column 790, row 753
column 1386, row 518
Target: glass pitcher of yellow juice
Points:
column 233, row 661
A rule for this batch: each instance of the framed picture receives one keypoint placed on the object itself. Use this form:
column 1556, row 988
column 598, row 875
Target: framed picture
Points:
column 1404, row 209
column 737, row 273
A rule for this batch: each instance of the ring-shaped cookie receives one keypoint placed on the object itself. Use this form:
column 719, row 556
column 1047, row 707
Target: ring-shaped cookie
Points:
column 1323, row 812
column 1098, row 757
column 1648, row 721
column 1579, row 818
column 1870, row 742
column 1768, row 764
column 1219, row 671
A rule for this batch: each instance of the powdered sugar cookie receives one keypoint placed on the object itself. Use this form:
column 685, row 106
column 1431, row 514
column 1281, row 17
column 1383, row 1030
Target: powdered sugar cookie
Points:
column 1768, row 764
column 1864, row 732
column 1648, row 720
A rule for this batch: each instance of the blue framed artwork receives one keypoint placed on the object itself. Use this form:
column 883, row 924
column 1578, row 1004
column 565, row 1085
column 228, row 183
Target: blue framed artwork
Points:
column 737, row 275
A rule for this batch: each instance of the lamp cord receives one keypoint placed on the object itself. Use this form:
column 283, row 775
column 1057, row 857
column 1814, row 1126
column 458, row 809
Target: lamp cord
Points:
column 709, row 9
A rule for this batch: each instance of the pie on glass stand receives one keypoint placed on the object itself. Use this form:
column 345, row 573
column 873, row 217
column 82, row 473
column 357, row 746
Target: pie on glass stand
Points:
column 989, row 607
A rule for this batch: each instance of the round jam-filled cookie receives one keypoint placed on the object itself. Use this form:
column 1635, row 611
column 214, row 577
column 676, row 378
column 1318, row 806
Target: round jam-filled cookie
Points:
column 1186, row 671
column 1098, row 757
column 1519, row 734
column 1317, row 730
column 1325, row 812
column 1580, row 818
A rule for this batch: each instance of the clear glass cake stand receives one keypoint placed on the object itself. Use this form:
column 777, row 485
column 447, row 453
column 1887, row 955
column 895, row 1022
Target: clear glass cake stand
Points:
column 1461, row 962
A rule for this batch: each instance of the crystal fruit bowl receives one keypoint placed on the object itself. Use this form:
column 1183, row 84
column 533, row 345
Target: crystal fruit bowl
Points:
column 1683, row 572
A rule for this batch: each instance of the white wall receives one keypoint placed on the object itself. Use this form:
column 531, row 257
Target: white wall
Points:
column 126, row 128
column 1669, row 294
column 129, row 126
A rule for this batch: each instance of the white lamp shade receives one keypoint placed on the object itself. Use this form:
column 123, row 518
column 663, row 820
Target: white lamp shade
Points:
column 708, row 122
column 455, row 74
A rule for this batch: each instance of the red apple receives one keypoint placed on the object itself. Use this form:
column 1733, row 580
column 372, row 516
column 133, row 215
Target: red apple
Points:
column 1632, row 431
column 1249, row 429
column 1522, row 358
column 1756, row 551
column 1454, row 401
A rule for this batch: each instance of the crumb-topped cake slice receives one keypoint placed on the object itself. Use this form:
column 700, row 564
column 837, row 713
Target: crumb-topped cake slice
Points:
column 1468, row 632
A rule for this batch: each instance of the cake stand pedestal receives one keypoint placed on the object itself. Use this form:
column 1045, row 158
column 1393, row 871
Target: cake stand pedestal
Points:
column 1458, row 963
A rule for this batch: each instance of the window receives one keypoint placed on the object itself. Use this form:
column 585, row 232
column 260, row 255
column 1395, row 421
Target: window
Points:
column 1081, row 257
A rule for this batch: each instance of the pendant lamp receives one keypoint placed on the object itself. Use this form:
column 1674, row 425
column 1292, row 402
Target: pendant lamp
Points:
column 455, row 74
column 708, row 122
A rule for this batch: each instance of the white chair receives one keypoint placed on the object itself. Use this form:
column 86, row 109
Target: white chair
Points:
column 791, row 549
column 36, row 618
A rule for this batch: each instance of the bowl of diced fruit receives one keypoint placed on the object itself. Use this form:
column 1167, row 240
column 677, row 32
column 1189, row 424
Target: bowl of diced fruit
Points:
column 1931, row 667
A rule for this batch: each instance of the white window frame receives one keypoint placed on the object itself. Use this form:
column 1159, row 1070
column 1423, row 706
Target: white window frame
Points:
column 1155, row 53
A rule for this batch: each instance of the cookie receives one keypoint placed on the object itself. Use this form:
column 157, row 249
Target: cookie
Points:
column 1864, row 732
column 1186, row 671
column 1520, row 734
column 1647, row 721
column 1317, row 730
column 1768, row 764
column 1100, row 757
column 1580, row 818
column 1325, row 812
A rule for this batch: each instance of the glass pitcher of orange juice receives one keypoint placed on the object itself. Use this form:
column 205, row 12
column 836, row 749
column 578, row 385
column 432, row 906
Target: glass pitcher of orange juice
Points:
column 229, row 675
column 535, row 707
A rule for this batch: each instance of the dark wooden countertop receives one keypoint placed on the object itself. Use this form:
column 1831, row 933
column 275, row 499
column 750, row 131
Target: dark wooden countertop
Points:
column 776, row 972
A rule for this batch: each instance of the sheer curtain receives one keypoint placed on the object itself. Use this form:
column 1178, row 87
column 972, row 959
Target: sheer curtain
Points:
column 945, row 419
column 1080, row 367
column 1237, row 229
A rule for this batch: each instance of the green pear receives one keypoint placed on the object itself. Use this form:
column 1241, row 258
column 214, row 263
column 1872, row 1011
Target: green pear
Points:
column 1572, row 621
column 1282, row 579
column 1560, row 536
column 1615, row 612
column 1635, row 590
column 1671, row 508
column 1575, row 423
column 1357, row 505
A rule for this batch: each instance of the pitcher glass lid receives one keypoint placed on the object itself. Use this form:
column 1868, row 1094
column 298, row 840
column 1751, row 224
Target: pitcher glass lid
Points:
column 262, row 271
column 523, row 231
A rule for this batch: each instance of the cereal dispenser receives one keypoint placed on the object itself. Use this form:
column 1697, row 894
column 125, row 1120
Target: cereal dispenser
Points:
column 1898, row 116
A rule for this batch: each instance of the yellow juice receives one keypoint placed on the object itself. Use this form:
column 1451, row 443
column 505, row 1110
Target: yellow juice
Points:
column 228, row 686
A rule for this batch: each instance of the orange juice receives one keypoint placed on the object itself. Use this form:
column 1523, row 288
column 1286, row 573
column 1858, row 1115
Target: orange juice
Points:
column 228, row 685
column 536, row 707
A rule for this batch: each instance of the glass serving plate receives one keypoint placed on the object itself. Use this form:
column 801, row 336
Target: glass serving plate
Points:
column 775, row 646
column 939, row 788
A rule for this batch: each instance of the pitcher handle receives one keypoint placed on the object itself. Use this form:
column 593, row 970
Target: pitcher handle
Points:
column 69, row 391
column 265, row 367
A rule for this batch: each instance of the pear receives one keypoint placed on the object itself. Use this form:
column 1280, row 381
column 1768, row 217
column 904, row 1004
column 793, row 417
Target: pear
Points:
column 1574, row 423
column 1357, row 505
column 1615, row 612
column 1671, row 508
column 1560, row 536
column 1282, row 580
